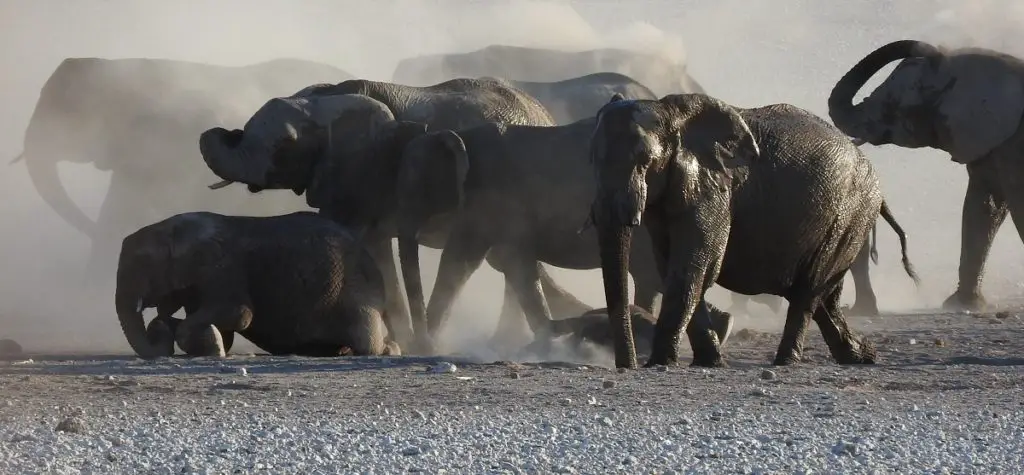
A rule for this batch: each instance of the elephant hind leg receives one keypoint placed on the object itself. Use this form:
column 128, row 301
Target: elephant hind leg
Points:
column 798, row 316
column 845, row 347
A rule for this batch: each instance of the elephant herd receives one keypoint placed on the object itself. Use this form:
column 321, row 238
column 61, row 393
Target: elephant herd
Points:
column 515, row 156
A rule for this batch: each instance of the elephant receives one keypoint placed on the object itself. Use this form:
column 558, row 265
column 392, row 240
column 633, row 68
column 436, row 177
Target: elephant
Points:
column 966, row 102
column 284, row 145
column 516, row 191
column 661, row 75
column 138, row 118
column 574, row 99
column 769, row 200
column 593, row 327
column 291, row 284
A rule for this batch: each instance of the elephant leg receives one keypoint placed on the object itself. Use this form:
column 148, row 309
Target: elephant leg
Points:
column 845, row 347
column 511, row 323
column 798, row 316
column 865, row 305
column 461, row 257
column 690, row 270
column 983, row 213
column 398, row 320
column 161, row 332
column 197, row 336
column 561, row 301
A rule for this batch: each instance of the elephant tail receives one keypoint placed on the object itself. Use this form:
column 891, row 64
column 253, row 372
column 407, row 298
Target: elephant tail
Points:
column 907, row 266
column 874, row 243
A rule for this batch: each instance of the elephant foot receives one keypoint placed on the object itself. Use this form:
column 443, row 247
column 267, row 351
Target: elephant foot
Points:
column 973, row 302
column 861, row 310
column 786, row 360
column 161, row 332
column 707, row 360
column 662, row 358
column 858, row 352
column 206, row 341
column 391, row 348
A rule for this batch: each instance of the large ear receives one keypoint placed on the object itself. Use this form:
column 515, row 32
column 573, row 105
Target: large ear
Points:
column 457, row 150
column 982, row 107
column 713, row 131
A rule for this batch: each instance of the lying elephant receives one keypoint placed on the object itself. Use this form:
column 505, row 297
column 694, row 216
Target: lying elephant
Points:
column 573, row 99
column 520, row 63
column 770, row 200
column 291, row 284
column 594, row 327
column 341, row 144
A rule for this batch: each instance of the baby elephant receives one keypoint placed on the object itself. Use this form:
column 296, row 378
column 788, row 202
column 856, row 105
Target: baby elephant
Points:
column 594, row 327
column 292, row 284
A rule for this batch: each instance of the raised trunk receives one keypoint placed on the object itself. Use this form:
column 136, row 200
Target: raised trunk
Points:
column 614, row 240
column 128, row 304
column 845, row 115
column 223, row 152
column 409, row 255
column 42, row 170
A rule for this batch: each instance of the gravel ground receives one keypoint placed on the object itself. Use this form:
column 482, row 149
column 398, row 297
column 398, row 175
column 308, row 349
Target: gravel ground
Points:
column 945, row 398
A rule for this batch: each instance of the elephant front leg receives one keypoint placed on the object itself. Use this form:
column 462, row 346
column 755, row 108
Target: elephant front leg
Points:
column 512, row 328
column 461, row 257
column 693, row 259
column 398, row 321
column 865, row 304
column 203, row 333
column 983, row 213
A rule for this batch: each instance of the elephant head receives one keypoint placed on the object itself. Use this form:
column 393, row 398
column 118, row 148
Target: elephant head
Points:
column 691, row 143
column 431, row 181
column 965, row 102
column 163, row 261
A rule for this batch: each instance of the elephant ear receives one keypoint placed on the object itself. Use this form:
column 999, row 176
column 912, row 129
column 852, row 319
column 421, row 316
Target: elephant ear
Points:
column 456, row 151
column 713, row 131
column 982, row 106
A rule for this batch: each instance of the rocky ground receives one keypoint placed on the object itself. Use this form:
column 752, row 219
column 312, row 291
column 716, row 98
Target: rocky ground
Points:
column 946, row 397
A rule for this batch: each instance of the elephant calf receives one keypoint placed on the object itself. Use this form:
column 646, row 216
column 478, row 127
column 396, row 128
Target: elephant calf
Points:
column 291, row 284
column 595, row 327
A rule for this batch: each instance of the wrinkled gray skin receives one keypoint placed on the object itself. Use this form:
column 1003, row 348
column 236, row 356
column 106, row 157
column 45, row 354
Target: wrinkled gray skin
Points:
column 138, row 118
column 661, row 75
column 514, row 193
column 593, row 327
column 771, row 200
column 579, row 98
column 966, row 102
column 284, row 146
column 291, row 284
column 865, row 303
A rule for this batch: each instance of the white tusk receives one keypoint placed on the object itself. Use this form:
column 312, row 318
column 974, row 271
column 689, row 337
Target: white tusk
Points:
column 138, row 306
column 220, row 184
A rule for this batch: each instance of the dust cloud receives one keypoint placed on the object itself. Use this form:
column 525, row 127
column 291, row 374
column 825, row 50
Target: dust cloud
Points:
column 746, row 53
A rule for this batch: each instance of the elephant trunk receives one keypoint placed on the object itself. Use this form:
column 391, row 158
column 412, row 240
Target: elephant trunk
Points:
column 128, row 302
column 225, row 155
column 409, row 255
column 614, row 240
column 845, row 115
column 42, row 170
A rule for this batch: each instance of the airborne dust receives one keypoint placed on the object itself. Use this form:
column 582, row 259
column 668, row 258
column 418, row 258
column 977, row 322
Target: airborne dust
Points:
column 746, row 53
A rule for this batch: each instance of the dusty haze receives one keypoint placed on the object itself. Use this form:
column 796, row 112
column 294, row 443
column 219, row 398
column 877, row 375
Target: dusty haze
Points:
column 746, row 53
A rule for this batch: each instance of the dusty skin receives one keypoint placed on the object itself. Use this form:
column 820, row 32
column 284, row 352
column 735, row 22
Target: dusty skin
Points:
column 948, row 379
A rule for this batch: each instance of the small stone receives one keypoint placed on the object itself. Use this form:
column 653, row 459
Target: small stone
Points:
column 443, row 367
column 606, row 421
column 913, row 341
column 71, row 425
column 768, row 374
column 567, row 401
column 22, row 438
column 940, row 342
column 1003, row 315
column 608, row 384
column 845, row 448
column 411, row 450
column 514, row 374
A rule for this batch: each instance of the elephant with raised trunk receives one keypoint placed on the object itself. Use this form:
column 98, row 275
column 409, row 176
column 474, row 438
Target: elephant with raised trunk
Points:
column 519, row 63
column 771, row 200
column 578, row 98
column 967, row 102
column 291, row 284
column 341, row 145
column 138, row 118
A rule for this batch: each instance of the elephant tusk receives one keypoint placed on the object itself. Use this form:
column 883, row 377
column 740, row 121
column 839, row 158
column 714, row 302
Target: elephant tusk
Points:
column 220, row 184
column 138, row 306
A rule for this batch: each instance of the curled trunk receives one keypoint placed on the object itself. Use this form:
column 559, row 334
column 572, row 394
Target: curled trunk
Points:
column 128, row 304
column 841, row 109
column 42, row 170
column 223, row 152
column 614, row 240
